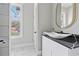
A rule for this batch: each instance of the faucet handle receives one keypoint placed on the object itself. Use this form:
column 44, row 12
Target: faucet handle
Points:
column 2, row 41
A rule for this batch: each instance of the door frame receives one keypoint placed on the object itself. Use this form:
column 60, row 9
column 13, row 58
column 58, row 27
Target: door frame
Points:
column 35, row 35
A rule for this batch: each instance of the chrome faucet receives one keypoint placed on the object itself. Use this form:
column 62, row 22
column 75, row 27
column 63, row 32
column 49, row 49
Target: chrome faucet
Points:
column 75, row 41
column 2, row 41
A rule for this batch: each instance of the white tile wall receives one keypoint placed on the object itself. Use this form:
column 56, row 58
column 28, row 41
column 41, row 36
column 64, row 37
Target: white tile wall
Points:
column 4, row 9
column 4, row 20
column 4, row 31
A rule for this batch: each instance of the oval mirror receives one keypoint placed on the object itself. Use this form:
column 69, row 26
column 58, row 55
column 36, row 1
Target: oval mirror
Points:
column 65, row 14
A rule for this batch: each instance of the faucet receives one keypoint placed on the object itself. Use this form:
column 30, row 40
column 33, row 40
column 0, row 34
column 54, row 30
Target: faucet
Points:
column 75, row 41
column 2, row 41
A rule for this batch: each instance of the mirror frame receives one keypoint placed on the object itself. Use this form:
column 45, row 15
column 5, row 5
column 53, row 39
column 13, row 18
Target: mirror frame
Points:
column 74, row 16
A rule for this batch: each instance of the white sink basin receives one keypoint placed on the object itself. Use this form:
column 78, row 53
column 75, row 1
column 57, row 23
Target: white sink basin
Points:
column 56, row 35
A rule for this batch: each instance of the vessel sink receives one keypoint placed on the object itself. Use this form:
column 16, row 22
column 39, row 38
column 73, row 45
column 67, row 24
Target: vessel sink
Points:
column 56, row 35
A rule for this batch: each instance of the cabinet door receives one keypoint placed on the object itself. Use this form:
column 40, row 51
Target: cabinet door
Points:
column 46, row 46
column 74, row 52
column 59, row 50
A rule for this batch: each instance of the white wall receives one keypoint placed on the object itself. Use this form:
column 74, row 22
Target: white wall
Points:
column 44, row 17
column 28, row 22
column 53, row 17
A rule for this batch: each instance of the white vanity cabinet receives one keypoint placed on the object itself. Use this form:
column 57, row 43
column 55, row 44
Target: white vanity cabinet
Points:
column 46, row 47
column 52, row 48
column 58, row 49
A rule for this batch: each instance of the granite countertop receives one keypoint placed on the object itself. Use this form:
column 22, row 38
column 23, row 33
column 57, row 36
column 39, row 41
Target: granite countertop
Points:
column 67, row 42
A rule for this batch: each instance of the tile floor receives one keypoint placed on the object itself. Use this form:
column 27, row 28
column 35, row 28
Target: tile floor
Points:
column 23, row 51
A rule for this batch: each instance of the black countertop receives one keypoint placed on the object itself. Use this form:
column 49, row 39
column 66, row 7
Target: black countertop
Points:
column 67, row 42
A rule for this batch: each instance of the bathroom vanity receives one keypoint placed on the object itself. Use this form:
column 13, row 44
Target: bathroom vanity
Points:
column 58, row 47
column 62, row 44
